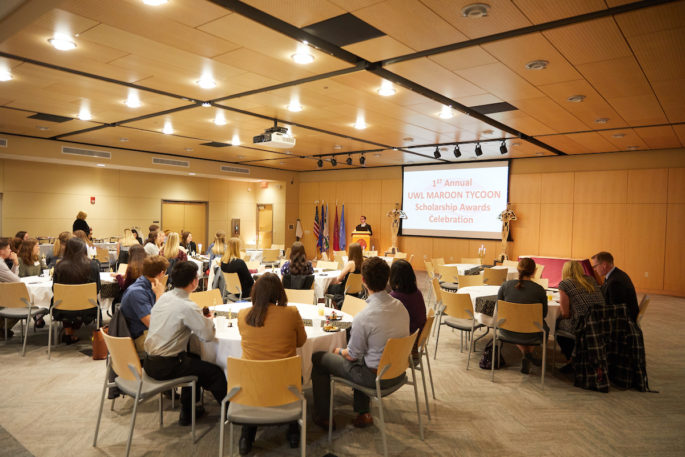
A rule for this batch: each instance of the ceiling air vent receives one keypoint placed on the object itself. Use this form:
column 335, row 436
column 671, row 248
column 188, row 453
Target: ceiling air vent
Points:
column 170, row 162
column 50, row 117
column 3, row 142
column 242, row 171
column 215, row 144
column 86, row 152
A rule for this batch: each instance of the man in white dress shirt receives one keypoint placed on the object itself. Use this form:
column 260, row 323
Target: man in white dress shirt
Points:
column 173, row 318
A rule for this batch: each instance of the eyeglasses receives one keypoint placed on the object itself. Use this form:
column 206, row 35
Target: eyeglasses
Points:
column 594, row 267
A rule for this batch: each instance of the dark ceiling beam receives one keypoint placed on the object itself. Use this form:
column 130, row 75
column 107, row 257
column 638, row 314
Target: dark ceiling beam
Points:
column 527, row 30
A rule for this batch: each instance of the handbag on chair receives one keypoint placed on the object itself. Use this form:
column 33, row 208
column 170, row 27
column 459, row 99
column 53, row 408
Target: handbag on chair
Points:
column 99, row 347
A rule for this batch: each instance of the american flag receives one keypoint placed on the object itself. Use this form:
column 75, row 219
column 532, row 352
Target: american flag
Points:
column 316, row 223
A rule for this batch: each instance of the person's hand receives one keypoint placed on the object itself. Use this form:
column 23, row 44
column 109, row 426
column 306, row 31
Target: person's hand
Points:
column 13, row 257
column 157, row 287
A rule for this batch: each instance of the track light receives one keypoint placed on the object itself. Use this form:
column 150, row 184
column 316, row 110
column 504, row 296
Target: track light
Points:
column 333, row 161
column 503, row 148
column 320, row 163
column 457, row 152
column 349, row 160
column 479, row 150
column 436, row 153
column 362, row 160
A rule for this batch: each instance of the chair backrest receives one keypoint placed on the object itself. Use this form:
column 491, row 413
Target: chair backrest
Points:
column 437, row 290
column 544, row 282
column 510, row 263
column 458, row 306
column 339, row 259
column 42, row 240
column 470, row 280
column 102, row 254
column 448, row 273
column 352, row 305
column 353, row 285
column 426, row 330
column 494, row 276
column 396, row 354
column 233, row 283
column 277, row 246
column 519, row 317
column 370, row 253
column 429, row 268
column 327, row 265
column 122, row 353
column 437, row 261
column 75, row 297
column 471, row 260
column 300, row 296
column 298, row 281
column 264, row 382
column 14, row 295
column 644, row 303
column 207, row 298
column 538, row 271
column 252, row 265
column 400, row 255
column 270, row 255
column 122, row 268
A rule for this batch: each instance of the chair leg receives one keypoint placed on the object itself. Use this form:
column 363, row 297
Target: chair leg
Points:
column 382, row 419
column 133, row 419
column 230, row 438
column 222, row 426
column 49, row 337
column 303, row 430
column 437, row 339
column 193, row 387
column 494, row 357
column 5, row 330
column 416, row 397
column 330, row 412
column 430, row 372
column 425, row 390
column 471, row 343
column 26, row 335
column 161, row 408
column 102, row 403
column 487, row 330
column 554, row 353
column 544, row 361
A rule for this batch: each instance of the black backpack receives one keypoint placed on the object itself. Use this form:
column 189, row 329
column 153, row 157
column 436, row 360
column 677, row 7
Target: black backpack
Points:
column 486, row 360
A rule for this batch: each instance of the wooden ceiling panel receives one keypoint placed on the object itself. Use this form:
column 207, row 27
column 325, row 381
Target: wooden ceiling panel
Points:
column 624, row 139
column 500, row 81
column 680, row 131
column 517, row 52
column 294, row 164
column 650, row 20
column 380, row 48
column 263, row 65
column 565, row 144
column 189, row 12
column 522, row 122
column 65, row 22
column 354, row 5
column 672, row 98
column 592, row 141
column 639, row 110
column 17, row 122
column 538, row 11
column 411, row 23
column 368, row 84
column 464, row 58
column 502, row 16
column 254, row 36
column 659, row 137
column 551, row 114
column 299, row 12
column 661, row 54
column 591, row 41
column 477, row 100
column 439, row 79
column 616, row 78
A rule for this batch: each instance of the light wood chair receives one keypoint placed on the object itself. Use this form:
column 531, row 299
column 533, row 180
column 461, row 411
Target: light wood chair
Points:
column 422, row 347
column 353, row 284
column 252, row 265
column 395, row 360
column 207, row 298
column 470, row 280
column 510, row 263
column 400, row 255
column 538, row 271
column 644, row 303
column 494, row 276
column 263, row 392
column 287, row 254
column 437, row 261
column 16, row 303
column 457, row 312
column 233, row 287
column 448, row 273
column 431, row 274
column 339, row 259
column 327, row 265
column 132, row 380
column 544, row 282
column 73, row 297
column 520, row 318
column 122, row 269
column 471, row 260
column 300, row 296
column 243, row 255
column 279, row 247
column 270, row 255
column 370, row 253
column 352, row 305
column 102, row 256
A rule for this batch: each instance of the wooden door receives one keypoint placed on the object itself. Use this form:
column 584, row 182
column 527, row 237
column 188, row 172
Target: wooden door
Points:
column 173, row 216
column 264, row 226
column 186, row 216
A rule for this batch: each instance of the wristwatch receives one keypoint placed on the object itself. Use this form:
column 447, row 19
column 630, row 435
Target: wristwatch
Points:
column 340, row 352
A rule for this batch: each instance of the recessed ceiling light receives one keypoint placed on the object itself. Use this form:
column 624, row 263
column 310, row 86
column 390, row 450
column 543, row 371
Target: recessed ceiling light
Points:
column 515, row 143
column 43, row 128
column 219, row 118
column 337, row 147
column 303, row 56
column 445, row 112
column 360, row 124
column 123, row 139
column 602, row 120
column 155, row 2
column 475, row 10
column 235, row 141
column 133, row 101
column 84, row 114
column 294, row 106
column 206, row 105
column 62, row 42
column 538, row 153
column 101, row 165
column 618, row 135
column 576, row 98
column 632, row 148
column 168, row 129
column 376, row 155
column 191, row 173
column 281, row 162
column 5, row 75
column 386, row 89
column 206, row 82
column 537, row 65
column 188, row 149
column 408, row 138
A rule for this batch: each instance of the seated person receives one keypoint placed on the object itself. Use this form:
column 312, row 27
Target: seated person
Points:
column 8, row 274
column 187, row 243
column 403, row 285
column 232, row 263
column 578, row 294
column 30, row 263
column 523, row 290
column 136, row 256
column 173, row 318
column 298, row 263
column 140, row 297
column 218, row 247
column 269, row 330
column 353, row 265
column 384, row 317
column 58, row 249
column 76, row 268
column 137, row 236
column 154, row 242
column 172, row 249
column 617, row 287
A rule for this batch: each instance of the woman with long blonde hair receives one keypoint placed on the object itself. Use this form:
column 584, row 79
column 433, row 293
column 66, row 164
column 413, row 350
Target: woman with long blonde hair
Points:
column 578, row 294
column 172, row 249
column 218, row 246
column 58, row 249
column 232, row 263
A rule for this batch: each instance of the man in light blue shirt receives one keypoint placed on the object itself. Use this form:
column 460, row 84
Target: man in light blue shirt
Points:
column 384, row 317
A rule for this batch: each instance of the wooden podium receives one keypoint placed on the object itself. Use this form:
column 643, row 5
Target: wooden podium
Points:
column 363, row 238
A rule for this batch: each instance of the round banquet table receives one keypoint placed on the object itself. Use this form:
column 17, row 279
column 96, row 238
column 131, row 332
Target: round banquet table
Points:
column 484, row 298
column 322, row 279
column 40, row 290
column 227, row 341
column 462, row 268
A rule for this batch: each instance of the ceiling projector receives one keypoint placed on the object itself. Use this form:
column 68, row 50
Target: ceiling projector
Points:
column 276, row 137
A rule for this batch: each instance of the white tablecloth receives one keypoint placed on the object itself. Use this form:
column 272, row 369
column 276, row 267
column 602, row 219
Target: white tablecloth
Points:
column 40, row 290
column 512, row 272
column 484, row 291
column 227, row 341
column 322, row 279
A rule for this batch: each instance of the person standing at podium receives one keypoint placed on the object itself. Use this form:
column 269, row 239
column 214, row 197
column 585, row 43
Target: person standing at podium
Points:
column 363, row 226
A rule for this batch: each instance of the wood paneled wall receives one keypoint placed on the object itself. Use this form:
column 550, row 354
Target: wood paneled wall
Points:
column 629, row 204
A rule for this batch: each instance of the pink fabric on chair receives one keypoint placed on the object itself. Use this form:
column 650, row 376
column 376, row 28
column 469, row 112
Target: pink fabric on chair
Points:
column 554, row 265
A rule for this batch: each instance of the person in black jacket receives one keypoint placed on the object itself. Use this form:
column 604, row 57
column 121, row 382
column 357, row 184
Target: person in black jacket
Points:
column 81, row 224
column 363, row 226
column 617, row 287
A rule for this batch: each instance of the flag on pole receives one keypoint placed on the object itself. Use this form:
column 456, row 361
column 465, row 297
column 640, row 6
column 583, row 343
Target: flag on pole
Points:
column 336, row 233
column 317, row 228
column 326, row 232
column 299, row 232
column 342, row 236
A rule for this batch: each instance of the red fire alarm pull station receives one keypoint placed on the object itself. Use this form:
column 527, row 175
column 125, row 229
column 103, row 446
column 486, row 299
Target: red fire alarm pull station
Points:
column 92, row 200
